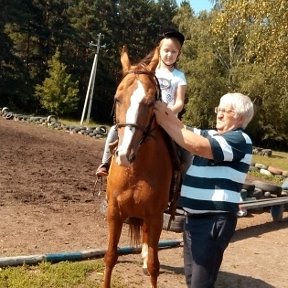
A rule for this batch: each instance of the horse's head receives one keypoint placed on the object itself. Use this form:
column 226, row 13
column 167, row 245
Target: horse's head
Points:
column 134, row 101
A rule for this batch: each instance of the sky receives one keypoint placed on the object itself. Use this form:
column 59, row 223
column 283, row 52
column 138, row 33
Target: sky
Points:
column 199, row 5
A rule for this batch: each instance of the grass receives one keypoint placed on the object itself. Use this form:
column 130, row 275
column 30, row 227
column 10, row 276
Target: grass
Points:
column 73, row 122
column 278, row 159
column 86, row 274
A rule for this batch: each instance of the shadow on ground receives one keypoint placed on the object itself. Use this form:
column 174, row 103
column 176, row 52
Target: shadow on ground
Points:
column 231, row 280
column 257, row 230
column 225, row 279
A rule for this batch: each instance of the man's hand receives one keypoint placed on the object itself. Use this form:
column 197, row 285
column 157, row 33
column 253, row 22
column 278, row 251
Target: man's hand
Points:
column 163, row 114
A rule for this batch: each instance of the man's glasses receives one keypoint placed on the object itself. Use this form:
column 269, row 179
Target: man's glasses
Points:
column 223, row 110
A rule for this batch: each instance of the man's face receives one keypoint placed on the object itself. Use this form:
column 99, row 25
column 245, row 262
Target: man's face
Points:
column 227, row 119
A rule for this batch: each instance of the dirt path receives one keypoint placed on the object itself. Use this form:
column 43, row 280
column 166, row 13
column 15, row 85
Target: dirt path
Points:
column 47, row 206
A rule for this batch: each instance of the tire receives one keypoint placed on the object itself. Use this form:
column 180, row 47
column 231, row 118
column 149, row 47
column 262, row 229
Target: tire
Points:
column 102, row 130
column 9, row 116
column 248, row 186
column 177, row 225
column 258, row 194
column 51, row 119
column 244, row 194
column 266, row 152
column 4, row 110
column 274, row 189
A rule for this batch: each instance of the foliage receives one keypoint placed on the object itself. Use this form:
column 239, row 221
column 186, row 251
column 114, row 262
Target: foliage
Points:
column 32, row 31
column 231, row 48
column 250, row 32
column 59, row 93
column 61, row 275
column 205, row 76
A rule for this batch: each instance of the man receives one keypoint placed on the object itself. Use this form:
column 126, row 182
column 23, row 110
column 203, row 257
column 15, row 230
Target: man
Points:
column 210, row 192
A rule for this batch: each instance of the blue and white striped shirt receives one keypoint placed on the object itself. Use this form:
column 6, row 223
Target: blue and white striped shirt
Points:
column 215, row 185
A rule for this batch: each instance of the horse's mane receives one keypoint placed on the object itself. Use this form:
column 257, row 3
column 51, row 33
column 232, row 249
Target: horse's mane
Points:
column 144, row 62
column 147, row 59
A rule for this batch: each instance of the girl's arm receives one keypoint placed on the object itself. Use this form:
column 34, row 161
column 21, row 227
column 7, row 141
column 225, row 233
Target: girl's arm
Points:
column 179, row 99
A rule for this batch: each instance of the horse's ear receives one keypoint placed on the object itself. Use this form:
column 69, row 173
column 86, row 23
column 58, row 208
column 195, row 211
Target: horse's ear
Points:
column 125, row 59
column 154, row 61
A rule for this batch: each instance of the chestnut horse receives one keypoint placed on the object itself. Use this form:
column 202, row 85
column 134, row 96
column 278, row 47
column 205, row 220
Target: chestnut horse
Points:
column 140, row 174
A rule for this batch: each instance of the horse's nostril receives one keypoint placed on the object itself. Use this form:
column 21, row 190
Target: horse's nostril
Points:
column 116, row 152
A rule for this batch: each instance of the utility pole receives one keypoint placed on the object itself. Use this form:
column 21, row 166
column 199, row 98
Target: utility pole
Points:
column 90, row 89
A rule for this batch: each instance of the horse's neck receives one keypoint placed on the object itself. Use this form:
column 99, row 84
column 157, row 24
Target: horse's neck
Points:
column 171, row 145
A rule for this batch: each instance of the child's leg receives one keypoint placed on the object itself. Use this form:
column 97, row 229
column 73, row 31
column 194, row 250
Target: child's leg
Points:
column 106, row 158
column 111, row 137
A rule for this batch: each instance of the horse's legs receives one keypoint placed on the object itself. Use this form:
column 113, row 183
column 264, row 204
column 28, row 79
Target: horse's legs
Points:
column 111, row 255
column 154, row 232
column 144, row 252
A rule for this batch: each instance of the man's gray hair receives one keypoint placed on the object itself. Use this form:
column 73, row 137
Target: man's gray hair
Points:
column 241, row 104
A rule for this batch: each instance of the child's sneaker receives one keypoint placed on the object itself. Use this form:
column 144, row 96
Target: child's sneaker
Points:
column 102, row 170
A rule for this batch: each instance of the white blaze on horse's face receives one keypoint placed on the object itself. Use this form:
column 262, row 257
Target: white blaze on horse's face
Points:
column 124, row 153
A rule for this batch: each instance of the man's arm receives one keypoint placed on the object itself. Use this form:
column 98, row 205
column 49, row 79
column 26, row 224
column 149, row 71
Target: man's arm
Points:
column 194, row 143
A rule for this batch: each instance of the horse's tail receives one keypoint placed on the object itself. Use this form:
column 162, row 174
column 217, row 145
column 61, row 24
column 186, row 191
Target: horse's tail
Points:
column 135, row 225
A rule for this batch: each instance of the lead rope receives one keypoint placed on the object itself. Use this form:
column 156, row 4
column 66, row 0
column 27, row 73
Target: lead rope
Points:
column 101, row 186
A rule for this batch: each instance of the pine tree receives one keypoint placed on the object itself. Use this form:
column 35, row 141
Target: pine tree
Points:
column 59, row 93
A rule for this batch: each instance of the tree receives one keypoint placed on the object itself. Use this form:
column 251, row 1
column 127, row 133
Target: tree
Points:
column 59, row 93
column 14, row 79
column 206, row 77
column 134, row 23
column 252, row 31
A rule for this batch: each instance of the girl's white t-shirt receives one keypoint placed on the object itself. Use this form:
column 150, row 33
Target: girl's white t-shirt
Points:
column 169, row 82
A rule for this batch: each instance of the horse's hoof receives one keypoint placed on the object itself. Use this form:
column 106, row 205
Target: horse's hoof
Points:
column 145, row 271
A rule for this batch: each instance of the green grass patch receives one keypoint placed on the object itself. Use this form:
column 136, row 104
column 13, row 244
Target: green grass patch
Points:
column 73, row 122
column 66, row 274
column 273, row 179
column 278, row 159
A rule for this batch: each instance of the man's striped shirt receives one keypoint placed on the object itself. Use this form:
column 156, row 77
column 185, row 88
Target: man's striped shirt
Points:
column 215, row 185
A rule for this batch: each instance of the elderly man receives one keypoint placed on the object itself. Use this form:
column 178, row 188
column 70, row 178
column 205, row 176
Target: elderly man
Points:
column 210, row 193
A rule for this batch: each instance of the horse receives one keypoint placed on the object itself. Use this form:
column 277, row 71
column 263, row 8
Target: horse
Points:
column 141, row 169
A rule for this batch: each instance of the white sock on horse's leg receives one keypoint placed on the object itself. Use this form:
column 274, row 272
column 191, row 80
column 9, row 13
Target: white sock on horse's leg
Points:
column 144, row 254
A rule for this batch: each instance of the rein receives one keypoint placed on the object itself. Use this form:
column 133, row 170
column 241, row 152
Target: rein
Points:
column 158, row 97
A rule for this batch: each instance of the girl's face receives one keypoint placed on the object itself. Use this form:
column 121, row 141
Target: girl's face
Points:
column 169, row 51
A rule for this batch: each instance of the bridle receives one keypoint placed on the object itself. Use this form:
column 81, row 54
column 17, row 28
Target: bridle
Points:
column 158, row 97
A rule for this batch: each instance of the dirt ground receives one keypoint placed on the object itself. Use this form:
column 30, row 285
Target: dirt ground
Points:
column 47, row 205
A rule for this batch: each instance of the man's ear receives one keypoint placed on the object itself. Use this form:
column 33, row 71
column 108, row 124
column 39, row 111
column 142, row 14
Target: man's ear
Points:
column 240, row 120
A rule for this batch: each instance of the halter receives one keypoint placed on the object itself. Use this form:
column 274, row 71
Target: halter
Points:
column 158, row 97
